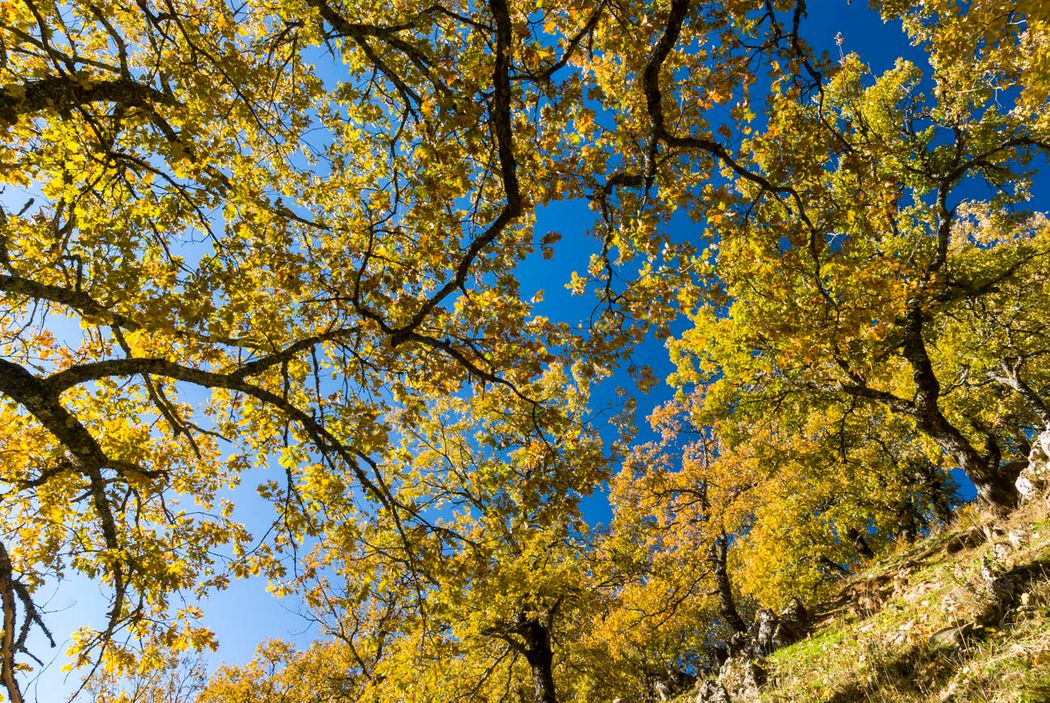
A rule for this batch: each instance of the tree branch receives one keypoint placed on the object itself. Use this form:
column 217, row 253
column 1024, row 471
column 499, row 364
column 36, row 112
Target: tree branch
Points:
column 65, row 92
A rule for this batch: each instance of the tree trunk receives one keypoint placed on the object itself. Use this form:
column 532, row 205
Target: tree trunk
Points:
column 727, row 604
column 998, row 491
column 539, row 655
column 993, row 486
column 861, row 544
column 8, row 642
column 932, row 483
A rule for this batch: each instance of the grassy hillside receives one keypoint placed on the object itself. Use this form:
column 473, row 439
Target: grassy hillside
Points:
column 962, row 616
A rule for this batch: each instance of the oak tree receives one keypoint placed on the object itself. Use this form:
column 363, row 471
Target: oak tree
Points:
column 280, row 244
column 901, row 268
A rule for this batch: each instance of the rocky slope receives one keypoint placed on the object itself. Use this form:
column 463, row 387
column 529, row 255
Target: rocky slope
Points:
column 961, row 616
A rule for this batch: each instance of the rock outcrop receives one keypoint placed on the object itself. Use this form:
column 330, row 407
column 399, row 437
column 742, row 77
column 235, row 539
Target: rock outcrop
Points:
column 742, row 675
column 1034, row 479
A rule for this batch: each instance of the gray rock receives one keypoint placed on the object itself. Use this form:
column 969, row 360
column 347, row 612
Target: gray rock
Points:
column 791, row 624
column 952, row 637
column 1017, row 537
column 1034, row 479
column 763, row 630
column 991, row 572
column 794, row 610
column 671, row 683
column 1002, row 550
column 712, row 692
column 742, row 679
column 1025, row 487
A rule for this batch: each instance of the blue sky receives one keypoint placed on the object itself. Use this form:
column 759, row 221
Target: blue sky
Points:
column 832, row 25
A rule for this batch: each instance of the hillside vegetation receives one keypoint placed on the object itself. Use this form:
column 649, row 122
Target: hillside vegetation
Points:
column 963, row 615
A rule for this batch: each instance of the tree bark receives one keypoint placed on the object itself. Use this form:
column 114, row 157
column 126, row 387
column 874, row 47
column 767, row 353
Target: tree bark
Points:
column 934, row 485
column 540, row 656
column 861, row 544
column 727, row 604
column 67, row 92
column 993, row 486
column 8, row 644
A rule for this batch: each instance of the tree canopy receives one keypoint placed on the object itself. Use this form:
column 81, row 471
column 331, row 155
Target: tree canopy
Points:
column 284, row 244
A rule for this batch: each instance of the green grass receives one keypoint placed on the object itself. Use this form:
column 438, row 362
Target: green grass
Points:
column 888, row 655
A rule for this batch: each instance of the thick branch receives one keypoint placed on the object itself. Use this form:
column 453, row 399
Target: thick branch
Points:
column 500, row 122
column 574, row 42
column 360, row 34
column 7, row 638
column 65, row 92
column 654, row 105
column 1011, row 378
column 41, row 401
column 77, row 300
column 716, row 556
column 84, row 373
column 982, row 470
